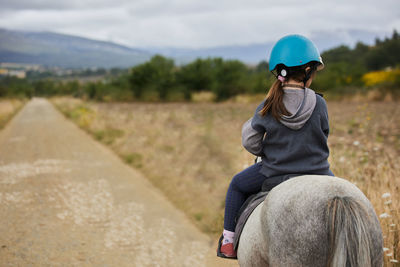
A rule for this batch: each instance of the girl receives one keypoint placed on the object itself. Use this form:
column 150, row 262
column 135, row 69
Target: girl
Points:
column 289, row 130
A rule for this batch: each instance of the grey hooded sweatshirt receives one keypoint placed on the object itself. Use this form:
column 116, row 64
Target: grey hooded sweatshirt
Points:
column 297, row 144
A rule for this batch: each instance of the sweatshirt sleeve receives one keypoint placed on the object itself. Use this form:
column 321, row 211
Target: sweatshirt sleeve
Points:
column 257, row 122
column 252, row 139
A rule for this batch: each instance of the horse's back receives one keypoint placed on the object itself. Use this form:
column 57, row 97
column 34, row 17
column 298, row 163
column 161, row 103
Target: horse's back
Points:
column 293, row 220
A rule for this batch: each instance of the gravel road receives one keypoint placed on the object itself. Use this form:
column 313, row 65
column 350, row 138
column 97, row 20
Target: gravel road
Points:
column 67, row 200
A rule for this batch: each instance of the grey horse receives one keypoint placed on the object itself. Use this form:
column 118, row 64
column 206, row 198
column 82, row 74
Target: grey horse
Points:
column 312, row 220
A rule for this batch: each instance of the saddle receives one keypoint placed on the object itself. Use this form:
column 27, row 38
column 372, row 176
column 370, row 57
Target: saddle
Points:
column 253, row 201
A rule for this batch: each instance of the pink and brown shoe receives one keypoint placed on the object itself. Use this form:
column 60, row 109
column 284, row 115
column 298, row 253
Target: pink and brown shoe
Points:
column 226, row 251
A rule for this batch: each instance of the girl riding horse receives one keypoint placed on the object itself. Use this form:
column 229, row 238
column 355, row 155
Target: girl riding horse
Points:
column 289, row 130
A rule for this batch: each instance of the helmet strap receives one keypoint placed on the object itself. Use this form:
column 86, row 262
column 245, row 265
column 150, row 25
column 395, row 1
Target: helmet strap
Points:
column 308, row 74
column 275, row 73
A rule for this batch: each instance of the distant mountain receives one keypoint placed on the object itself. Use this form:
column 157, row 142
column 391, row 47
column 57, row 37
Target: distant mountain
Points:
column 254, row 53
column 53, row 49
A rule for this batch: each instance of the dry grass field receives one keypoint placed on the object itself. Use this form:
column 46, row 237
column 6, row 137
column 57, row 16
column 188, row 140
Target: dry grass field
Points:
column 191, row 151
column 8, row 107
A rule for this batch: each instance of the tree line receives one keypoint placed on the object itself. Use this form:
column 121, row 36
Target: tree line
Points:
column 160, row 79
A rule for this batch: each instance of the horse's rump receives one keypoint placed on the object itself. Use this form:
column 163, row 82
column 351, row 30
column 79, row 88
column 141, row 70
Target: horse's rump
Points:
column 292, row 228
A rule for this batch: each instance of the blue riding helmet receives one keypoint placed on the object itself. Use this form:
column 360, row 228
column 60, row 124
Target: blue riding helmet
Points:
column 294, row 50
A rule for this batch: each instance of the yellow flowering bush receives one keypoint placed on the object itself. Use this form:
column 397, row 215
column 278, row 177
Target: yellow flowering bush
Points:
column 379, row 77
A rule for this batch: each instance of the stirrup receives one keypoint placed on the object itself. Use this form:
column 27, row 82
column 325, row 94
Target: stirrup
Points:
column 219, row 253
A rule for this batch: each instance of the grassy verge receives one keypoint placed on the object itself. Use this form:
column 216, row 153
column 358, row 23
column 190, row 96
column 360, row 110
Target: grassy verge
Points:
column 8, row 108
column 191, row 151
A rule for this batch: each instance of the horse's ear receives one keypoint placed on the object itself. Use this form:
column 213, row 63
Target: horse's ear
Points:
column 321, row 95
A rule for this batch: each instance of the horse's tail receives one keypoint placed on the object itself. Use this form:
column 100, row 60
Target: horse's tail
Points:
column 349, row 239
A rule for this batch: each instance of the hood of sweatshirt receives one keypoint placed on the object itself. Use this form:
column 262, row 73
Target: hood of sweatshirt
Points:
column 301, row 104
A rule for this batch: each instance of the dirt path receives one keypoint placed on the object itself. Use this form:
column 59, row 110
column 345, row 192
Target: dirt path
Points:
column 68, row 201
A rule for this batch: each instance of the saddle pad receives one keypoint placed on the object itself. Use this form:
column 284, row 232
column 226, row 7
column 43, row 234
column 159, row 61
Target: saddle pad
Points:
column 244, row 215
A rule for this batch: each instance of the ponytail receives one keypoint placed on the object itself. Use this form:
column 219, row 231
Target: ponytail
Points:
column 274, row 102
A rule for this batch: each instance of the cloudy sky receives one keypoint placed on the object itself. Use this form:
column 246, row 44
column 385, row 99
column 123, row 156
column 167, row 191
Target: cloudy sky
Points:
column 198, row 24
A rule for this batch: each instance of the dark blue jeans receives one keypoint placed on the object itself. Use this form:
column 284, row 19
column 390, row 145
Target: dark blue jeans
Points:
column 243, row 184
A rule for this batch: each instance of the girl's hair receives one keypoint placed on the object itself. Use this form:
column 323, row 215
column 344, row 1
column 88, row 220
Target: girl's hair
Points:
column 274, row 101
